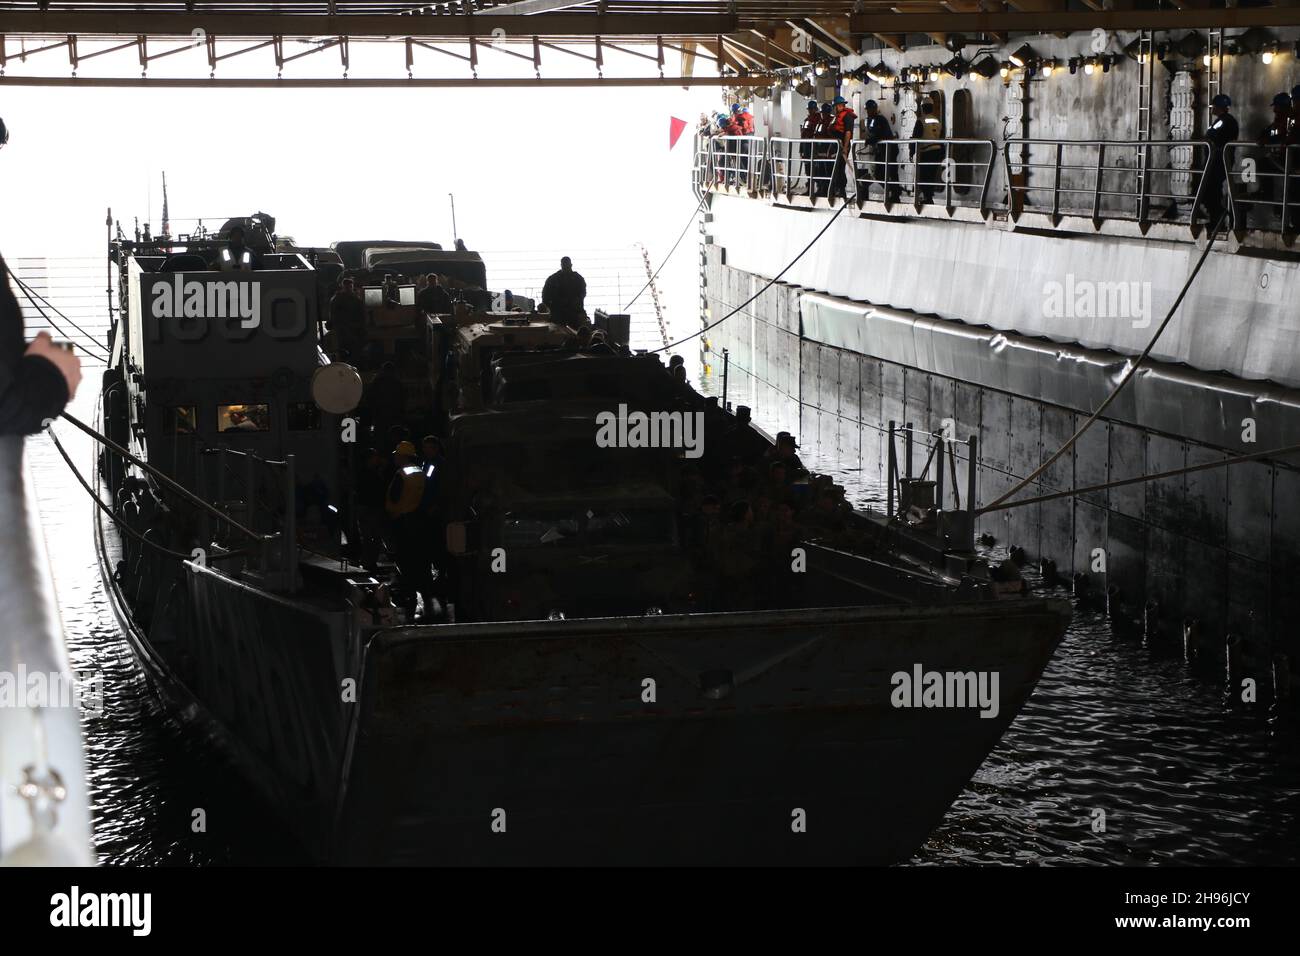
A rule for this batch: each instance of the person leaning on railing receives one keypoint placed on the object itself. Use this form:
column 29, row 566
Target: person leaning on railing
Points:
column 879, row 133
column 37, row 379
column 808, row 132
column 824, row 166
column 1275, row 137
column 742, row 122
column 929, row 155
column 842, row 126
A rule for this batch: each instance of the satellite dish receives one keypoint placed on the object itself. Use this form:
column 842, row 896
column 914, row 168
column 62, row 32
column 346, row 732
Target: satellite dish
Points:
column 336, row 388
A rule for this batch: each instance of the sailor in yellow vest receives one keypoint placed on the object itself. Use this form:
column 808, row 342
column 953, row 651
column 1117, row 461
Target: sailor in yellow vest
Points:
column 408, row 528
column 929, row 155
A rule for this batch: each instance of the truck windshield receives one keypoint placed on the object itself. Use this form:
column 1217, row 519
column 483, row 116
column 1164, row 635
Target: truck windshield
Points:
column 587, row 526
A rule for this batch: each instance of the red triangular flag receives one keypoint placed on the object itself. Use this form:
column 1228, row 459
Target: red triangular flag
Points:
column 675, row 127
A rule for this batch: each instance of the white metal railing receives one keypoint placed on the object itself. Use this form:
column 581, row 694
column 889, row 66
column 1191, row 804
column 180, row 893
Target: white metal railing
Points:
column 1138, row 180
column 950, row 172
column 737, row 162
column 1143, row 181
column 802, row 166
column 1264, row 187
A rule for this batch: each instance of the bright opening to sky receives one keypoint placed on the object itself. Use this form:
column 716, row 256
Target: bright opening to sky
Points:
column 536, row 173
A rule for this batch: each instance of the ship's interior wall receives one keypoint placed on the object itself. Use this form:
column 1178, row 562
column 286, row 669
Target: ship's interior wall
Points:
column 1220, row 548
column 1238, row 316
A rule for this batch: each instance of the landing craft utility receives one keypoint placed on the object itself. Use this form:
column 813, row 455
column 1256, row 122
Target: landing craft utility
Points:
column 498, row 599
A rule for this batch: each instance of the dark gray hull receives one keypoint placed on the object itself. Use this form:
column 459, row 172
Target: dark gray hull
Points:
column 546, row 721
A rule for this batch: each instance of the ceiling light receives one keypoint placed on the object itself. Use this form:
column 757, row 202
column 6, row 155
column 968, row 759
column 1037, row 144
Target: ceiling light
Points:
column 1022, row 55
column 987, row 67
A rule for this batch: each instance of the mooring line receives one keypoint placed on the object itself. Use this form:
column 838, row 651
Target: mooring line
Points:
column 649, row 281
column 122, row 525
column 175, row 486
column 1204, row 466
column 31, row 297
column 1124, row 381
column 771, row 282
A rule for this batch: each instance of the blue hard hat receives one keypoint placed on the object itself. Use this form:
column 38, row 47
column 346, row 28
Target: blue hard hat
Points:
column 735, row 107
column 1223, row 99
column 839, row 99
column 826, row 107
column 812, row 104
column 1282, row 100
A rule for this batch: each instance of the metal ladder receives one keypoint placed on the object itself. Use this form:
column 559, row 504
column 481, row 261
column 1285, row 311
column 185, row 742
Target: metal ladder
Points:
column 1146, row 85
column 1213, row 73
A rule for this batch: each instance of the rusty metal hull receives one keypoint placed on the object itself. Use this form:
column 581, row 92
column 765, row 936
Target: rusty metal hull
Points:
column 535, row 744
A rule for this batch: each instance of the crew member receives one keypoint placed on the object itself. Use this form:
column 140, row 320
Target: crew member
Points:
column 407, row 527
column 36, row 379
column 879, row 134
column 808, row 133
column 823, row 166
column 929, row 157
column 348, row 321
column 433, row 298
column 842, row 127
column 1222, row 131
column 1277, row 135
column 237, row 257
column 565, row 295
column 743, row 125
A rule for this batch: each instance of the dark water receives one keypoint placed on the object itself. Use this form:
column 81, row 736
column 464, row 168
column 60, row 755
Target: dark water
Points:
column 1112, row 726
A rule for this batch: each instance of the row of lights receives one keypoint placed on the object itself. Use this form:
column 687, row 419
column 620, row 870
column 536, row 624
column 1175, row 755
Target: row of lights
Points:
column 1024, row 58
column 987, row 67
column 1253, row 42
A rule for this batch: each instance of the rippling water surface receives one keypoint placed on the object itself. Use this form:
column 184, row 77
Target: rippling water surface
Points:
column 1112, row 727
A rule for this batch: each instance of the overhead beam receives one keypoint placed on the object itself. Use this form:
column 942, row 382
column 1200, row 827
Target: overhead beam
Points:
column 459, row 26
column 1053, row 21
column 373, row 83
column 842, row 41
column 529, row 7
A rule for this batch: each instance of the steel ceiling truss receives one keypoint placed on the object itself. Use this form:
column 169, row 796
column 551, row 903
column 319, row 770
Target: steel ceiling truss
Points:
column 735, row 61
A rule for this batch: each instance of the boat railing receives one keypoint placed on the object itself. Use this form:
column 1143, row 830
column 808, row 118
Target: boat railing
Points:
column 1140, row 187
column 738, row 162
column 1143, row 181
column 44, row 804
column 805, row 167
column 221, row 477
column 955, row 526
column 1261, row 182
column 957, row 173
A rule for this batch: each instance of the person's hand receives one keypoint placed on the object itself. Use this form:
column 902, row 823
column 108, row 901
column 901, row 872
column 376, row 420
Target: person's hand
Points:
column 65, row 360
